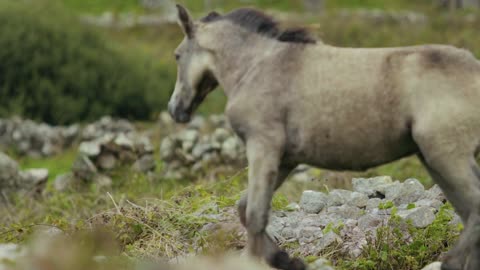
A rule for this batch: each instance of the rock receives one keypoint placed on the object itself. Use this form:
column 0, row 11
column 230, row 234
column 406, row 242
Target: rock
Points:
column 338, row 197
column 102, row 180
column 292, row 207
column 420, row 217
column 320, row 264
column 328, row 240
column 433, row 266
column 433, row 203
column 84, row 168
column 372, row 221
column 167, row 149
column 64, row 182
column 435, row 193
column 358, row 199
column 35, row 177
column 106, row 161
column 230, row 148
column 344, row 212
column 145, row 164
column 220, row 135
column 408, row 192
column 123, row 141
column 89, row 149
column 372, row 187
column 313, row 202
column 9, row 172
column 373, row 203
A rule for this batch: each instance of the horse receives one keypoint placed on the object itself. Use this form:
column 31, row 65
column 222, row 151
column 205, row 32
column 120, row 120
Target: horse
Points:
column 293, row 99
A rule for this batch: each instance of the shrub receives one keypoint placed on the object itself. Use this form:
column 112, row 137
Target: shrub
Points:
column 55, row 69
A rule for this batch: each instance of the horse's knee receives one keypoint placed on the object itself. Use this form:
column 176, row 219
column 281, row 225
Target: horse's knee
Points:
column 242, row 209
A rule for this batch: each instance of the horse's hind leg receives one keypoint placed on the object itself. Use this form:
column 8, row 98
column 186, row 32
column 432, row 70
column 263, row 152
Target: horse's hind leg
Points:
column 453, row 168
column 264, row 162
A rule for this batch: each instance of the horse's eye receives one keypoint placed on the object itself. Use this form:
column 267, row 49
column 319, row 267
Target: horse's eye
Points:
column 177, row 56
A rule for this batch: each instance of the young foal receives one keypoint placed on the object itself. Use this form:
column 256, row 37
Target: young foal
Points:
column 295, row 100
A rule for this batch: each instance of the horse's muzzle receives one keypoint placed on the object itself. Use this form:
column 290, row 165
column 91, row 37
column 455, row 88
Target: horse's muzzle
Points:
column 178, row 113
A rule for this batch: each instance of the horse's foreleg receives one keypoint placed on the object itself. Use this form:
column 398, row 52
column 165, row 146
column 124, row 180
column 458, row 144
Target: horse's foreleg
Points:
column 455, row 175
column 283, row 173
column 264, row 173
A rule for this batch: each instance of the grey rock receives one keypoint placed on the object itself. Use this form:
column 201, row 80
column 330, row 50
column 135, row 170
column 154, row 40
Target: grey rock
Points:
column 420, row 217
column 84, row 168
column 371, row 186
column 9, row 172
column 408, row 192
column 338, row 197
column 313, row 202
column 123, row 141
column 373, row 203
column 328, row 240
column 102, row 180
column 358, row 199
column 189, row 135
column 167, row 149
column 106, row 161
column 197, row 122
column 292, row 207
column 89, row 148
column 65, row 182
column 230, row 148
column 35, row 176
column 436, row 204
column 200, row 149
column 309, row 234
column 145, row 164
column 435, row 193
column 344, row 212
column 220, row 135
column 369, row 222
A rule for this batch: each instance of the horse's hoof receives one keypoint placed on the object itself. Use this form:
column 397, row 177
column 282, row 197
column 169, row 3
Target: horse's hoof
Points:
column 280, row 260
column 297, row 264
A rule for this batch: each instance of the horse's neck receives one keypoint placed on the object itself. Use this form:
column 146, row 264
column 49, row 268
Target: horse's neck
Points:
column 237, row 60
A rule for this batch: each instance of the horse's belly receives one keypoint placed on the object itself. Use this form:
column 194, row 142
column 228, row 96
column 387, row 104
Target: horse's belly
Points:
column 348, row 151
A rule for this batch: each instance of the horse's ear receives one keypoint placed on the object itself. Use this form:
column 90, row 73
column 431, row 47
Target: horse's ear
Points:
column 185, row 21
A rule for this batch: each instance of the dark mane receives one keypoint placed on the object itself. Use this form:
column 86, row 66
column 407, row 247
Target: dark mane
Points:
column 258, row 22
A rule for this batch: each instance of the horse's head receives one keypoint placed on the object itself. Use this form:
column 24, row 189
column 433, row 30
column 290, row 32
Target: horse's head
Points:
column 195, row 77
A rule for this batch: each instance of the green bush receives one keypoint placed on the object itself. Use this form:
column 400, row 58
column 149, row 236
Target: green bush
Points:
column 55, row 69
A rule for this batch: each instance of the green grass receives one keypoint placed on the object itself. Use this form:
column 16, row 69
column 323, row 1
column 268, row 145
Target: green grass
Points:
column 99, row 6
column 56, row 165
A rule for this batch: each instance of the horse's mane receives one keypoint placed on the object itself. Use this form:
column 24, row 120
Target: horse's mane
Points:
column 258, row 22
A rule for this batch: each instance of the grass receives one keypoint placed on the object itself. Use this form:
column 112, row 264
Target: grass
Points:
column 56, row 165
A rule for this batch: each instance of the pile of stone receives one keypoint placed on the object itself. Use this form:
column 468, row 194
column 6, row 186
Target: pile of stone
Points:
column 205, row 144
column 101, row 155
column 36, row 139
column 12, row 179
column 106, row 126
column 356, row 214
